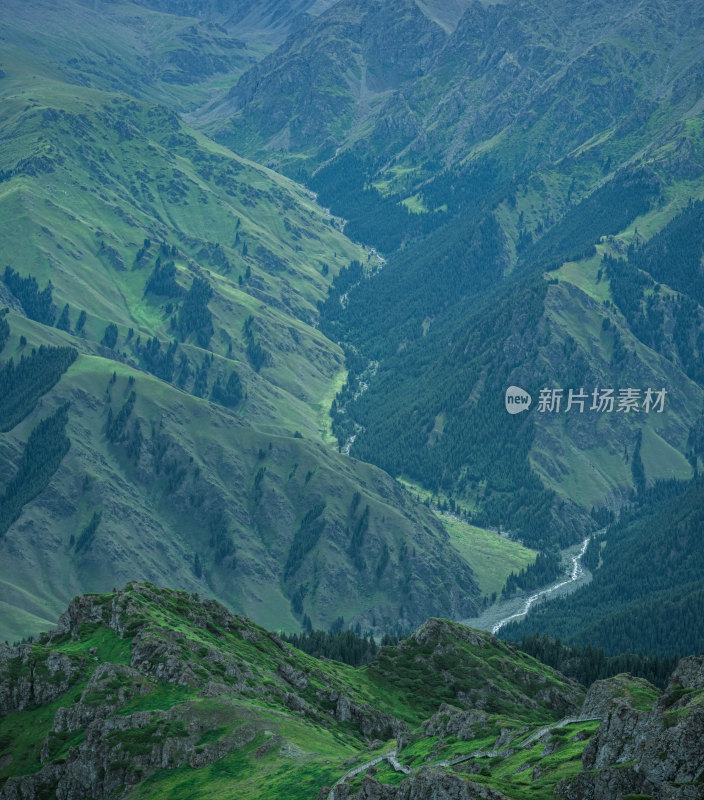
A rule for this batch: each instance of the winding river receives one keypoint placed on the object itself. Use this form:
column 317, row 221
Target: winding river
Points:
column 503, row 611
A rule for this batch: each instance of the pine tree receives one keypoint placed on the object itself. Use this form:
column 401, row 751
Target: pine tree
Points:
column 64, row 322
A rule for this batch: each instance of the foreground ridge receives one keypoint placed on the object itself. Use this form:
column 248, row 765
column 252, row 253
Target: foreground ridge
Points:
column 149, row 692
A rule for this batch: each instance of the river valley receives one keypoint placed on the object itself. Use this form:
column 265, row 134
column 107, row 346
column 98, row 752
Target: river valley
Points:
column 514, row 608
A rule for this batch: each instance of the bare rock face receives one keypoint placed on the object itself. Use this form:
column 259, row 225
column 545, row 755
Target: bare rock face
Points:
column 372, row 723
column 27, row 681
column 109, row 688
column 161, row 659
column 451, row 721
column 608, row 783
column 658, row 752
column 689, row 674
column 103, row 764
column 602, row 694
column 427, row 785
column 297, row 678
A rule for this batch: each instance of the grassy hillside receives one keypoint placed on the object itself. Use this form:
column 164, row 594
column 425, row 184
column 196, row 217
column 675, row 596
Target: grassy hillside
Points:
column 149, row 692
column 215, row 311
column 188, row 491
column 187, row 281
column 90, row 176
column 493, row 557
column 189, row 699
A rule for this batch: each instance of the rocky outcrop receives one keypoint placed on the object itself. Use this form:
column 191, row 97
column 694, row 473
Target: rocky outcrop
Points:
column 114, row 750
column 653, row 752
column 169, row 681
column 601, row 695
column 451, row 721
column 297, row 678
column 164, row 660
column 372, row 723
column 109, row 688
column 427, row 785
column 119, row 751
column 29, row 678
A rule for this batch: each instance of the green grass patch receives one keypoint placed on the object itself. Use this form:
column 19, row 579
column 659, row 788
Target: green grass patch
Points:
column 492, row 557
column 22, row 734
column 110, row 647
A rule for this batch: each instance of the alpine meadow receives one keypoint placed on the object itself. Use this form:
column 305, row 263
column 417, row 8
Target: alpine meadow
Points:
column 352, row 400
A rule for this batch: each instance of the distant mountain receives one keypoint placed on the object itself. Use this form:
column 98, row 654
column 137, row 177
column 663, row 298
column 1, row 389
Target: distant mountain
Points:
column 177, row 53
column 400, row 85
column 265, row 22
column 167, row 291
column 503, row 158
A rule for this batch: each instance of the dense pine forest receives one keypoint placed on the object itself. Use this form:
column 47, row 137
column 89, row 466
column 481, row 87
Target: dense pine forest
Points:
column 647, row 595
column 589, row 663
column 45, row 448
column 22, row 384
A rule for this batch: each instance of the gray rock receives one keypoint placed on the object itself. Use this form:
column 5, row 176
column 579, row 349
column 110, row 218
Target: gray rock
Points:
column 658, row 752
column 30, row 677
column 451, row 721
column 297, row 678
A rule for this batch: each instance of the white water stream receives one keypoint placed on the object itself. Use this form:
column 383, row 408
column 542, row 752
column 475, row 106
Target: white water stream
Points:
column 575, row 574
column 504, row 611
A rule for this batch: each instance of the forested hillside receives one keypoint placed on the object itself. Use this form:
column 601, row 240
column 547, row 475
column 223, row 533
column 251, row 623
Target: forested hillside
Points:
column 647, row 595
column 514, row 255
column 435, row 369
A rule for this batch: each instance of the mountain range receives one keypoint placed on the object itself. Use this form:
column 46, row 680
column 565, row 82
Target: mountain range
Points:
column 282, row 262
column 500, row 156
column 270, row 274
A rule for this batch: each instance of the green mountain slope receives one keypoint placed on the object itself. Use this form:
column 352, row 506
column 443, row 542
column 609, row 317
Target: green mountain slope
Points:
column 160, row 694
column 527, row 173
column 153, row 693
column 478, row 150
column 529, row 84
column 178, row 53
column 187, row 492
column 187, row 281
column 434, row 408
column 90, row 177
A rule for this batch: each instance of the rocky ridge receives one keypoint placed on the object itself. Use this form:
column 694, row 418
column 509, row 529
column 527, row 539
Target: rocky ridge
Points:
column 657, row 752
column 141, row 683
